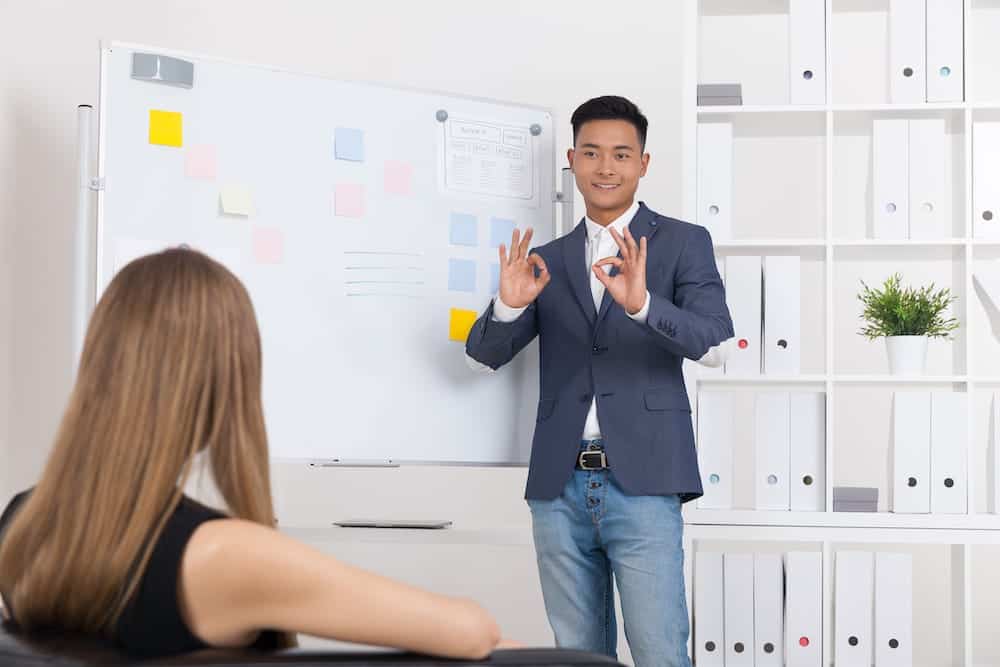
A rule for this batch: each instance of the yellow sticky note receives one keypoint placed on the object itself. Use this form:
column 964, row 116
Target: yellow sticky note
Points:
column 460, row 324
column 165, row 128
column 235, row 199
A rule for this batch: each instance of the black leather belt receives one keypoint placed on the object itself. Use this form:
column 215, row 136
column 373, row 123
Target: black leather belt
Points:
column 592, row 457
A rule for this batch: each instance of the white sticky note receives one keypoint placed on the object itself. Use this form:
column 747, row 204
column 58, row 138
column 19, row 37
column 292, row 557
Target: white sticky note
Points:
column 235, row 199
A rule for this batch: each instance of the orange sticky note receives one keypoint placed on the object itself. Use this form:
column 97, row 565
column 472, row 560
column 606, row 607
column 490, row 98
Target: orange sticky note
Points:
column 460, row 324
column 165, row 128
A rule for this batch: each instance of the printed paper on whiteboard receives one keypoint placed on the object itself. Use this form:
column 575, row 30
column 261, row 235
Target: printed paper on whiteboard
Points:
column 489, row 159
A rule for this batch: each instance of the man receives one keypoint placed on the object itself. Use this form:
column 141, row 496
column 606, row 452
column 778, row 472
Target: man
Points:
column 613, row 455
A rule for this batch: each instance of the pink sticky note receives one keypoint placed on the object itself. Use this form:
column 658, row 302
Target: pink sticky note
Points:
column 397, row 177
column 268, row 245
column 199, row 162
column 349, row 200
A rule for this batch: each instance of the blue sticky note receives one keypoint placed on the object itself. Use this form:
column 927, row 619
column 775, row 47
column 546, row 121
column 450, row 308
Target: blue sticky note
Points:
column 349, row 144
column 500, row 231
column 463, row 229
column 461, row 275
column 494, row 278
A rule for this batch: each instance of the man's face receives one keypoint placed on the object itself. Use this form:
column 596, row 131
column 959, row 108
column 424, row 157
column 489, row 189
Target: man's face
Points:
column 608, row 162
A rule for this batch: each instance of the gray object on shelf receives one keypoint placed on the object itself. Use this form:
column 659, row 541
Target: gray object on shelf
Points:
column 855, row 494
column 162, row 69
column 715, row 94
column 855, row 507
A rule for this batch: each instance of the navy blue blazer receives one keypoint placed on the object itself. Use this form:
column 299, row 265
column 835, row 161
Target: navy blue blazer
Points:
column 634, row 369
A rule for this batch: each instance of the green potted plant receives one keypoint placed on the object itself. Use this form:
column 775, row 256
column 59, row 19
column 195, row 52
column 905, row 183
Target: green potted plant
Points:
column 906, row 317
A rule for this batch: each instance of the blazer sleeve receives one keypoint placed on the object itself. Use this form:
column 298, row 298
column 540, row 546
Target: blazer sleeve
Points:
column 494, row 343
column 696, row 319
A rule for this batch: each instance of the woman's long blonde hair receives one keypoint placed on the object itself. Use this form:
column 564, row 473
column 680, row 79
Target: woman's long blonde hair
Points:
column 171, row 365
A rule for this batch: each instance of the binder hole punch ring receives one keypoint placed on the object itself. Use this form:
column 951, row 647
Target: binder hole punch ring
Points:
column 987, row 215
column 807, row 75
column 738, row 647
column 807, row 480
column 713, row 209
column 713, row 478
column 772, row 480
column 911, row 482
column 803, row 641
column 768, row 647
column 907, row 72
column 743, row 344
column 783, row 344
column 949, row 482
column 890, row 208
column 945, row 71
column 893, row 643
column 928, row 207
column 852, row 640
column 709, row 646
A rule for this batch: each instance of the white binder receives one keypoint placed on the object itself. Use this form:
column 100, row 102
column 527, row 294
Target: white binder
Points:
column 715, row 449
column 893, row 610
column 986, row 180
column 743, row 296
column 949, row 453
column 804, row 609
column 907, row 52
column 945, row 61
column 738, row 609
column 768, row 599
column 709, row 635
column 853, row 602
column 911, row 452
column 890, row 179
column 929, row 216
column 715, row 179
column 771, row 451
column 807, row 436
column 807, row 51
column 782, row 319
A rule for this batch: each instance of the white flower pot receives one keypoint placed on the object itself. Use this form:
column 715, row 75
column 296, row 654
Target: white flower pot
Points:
column 907, row 354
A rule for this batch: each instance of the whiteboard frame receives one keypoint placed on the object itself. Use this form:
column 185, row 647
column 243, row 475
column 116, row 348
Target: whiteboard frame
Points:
column 551, row 199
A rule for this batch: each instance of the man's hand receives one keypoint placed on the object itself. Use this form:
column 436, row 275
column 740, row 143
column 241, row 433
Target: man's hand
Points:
column 518, row 284
column 628, row 287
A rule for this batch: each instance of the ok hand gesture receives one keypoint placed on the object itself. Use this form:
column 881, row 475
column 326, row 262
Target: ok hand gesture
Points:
column 518, row 284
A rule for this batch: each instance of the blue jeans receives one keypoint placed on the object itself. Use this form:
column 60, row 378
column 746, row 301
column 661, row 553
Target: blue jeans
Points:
column 593, row 532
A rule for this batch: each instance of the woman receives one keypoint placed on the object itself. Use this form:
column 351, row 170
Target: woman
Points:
column 106, row 543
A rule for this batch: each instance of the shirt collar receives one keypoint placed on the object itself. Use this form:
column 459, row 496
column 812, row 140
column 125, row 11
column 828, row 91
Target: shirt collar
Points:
column 619, row 223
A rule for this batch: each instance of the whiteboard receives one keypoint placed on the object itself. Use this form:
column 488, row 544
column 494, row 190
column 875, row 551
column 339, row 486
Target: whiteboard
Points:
column 359, row 217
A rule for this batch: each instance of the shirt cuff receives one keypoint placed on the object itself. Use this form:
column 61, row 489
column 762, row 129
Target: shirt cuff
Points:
column 717, row 356
column 643, row 313
column 504, row 313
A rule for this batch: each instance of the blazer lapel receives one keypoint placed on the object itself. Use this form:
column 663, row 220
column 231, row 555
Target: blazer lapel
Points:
column 575, row 260
column 643, row 224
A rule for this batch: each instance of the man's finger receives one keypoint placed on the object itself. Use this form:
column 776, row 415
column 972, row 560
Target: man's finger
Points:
column 613, row 261
column 603, row 277
column 515, row 245
column 622, row 245
column 536, row 260
column 642, row 250
column 525, row 242
column 503, row 255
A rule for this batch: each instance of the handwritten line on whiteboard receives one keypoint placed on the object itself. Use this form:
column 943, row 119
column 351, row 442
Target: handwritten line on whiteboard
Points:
column 383, row 252
column 383, row 268
column 383, row 282
column 384, row 294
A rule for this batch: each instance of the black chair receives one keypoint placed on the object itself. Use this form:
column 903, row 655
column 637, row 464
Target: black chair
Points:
column 63, row 651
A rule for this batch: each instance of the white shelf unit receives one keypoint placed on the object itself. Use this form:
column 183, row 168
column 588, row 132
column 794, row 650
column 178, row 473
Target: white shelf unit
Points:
column 801, row 176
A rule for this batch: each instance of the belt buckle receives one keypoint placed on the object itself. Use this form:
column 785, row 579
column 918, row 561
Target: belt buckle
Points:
column 599, row 454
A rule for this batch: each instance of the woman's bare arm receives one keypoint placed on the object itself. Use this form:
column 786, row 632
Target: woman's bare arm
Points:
column 238, row 578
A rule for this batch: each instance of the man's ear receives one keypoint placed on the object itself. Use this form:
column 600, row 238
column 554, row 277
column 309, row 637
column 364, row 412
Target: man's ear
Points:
column 569, row 157
column 645, row 164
